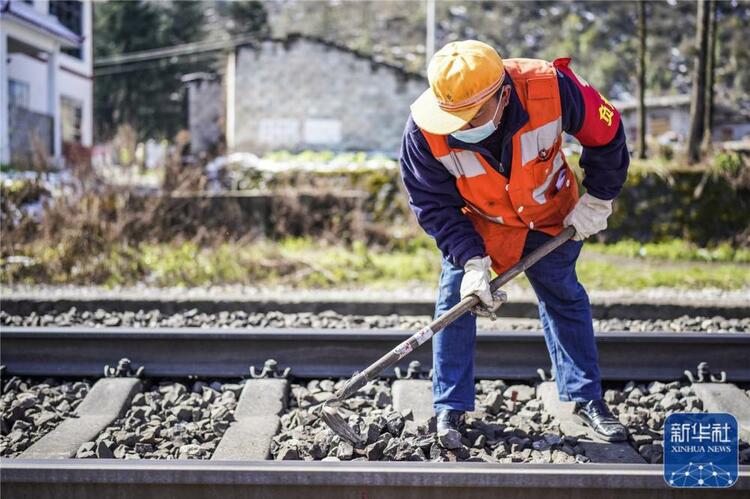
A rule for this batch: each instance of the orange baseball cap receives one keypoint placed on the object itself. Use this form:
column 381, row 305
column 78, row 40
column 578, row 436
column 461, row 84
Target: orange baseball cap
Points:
column 463, row 76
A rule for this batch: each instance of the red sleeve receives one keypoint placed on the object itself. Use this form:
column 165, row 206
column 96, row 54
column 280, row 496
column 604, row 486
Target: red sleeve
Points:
column 601, row 120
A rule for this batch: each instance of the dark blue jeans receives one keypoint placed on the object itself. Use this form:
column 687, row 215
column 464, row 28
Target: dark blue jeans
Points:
column 564, row 310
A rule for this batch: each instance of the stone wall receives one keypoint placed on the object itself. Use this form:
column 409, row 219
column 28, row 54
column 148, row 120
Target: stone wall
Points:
column 303, row 93
column 206, row 114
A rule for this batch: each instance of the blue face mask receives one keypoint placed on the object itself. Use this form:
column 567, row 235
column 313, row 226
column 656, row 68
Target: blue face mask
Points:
column 478, row 133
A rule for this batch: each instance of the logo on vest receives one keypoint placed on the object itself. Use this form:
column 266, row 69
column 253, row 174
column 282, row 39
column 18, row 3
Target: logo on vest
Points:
column 544, row 154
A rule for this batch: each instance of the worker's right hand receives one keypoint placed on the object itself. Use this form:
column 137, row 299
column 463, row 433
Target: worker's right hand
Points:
column 476, row 281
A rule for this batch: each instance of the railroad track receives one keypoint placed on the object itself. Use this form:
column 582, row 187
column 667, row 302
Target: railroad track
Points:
column 351, row 303
column 517, row 419
column 211, row 352
column 81, row 479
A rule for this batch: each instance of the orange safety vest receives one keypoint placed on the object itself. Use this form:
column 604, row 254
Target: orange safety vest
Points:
column 542, row 188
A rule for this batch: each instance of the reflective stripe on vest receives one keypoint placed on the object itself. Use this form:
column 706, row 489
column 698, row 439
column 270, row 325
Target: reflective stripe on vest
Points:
column 539, row 139
column 462, row 163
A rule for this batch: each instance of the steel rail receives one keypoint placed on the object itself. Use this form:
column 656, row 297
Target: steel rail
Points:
column 601, row 309
column 42, row 479
column 338, row 353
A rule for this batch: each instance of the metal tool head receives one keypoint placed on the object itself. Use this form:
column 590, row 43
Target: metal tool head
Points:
column 336, row 422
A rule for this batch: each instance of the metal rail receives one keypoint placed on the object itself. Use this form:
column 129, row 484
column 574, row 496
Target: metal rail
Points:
column 338, row 353
column 601, row 309
column 192, row 479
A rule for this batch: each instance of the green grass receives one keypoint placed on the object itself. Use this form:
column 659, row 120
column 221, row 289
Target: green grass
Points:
column 292, row 262
column 295, row 262
column 673, row 250
column 308, row 264
column 597, row 274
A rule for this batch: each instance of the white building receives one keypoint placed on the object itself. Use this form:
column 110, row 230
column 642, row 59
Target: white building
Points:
column 668, row 118
column 46, row 79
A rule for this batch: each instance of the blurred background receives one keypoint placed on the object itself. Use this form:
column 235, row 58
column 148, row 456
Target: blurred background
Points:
column 255, row 143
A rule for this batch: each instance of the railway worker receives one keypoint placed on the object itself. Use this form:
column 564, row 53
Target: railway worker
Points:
column 481, row 160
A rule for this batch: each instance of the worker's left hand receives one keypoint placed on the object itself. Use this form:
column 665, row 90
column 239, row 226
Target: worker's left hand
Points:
column 588, row 216
column 476, row 281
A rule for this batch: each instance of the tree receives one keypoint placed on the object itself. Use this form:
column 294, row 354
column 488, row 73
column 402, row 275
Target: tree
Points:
column 146, row 95
column 116, row 96
column 149, row 95
column 183, row 22
column 641, row 145
column 708, row 115
column 248, row 17
column 698, row 91
column 734, row 52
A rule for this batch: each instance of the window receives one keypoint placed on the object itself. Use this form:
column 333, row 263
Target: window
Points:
column 18, row 93
column 70, row 15
column 71, row 114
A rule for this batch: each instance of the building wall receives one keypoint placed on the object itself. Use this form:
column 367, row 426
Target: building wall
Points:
column 206, row 114
column 677, row 120
column 34, row 74
column 658, row 121
column 72, row 85
column 84, row 65
column 305, row 94
column 733, row 132
column 74, row 78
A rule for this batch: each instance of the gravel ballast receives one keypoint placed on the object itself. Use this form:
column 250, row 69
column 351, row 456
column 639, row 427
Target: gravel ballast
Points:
column 32, row 408
column 176, row 420
column 169, row 420
column 508, row 426
column 333, row 320
column 644, row 408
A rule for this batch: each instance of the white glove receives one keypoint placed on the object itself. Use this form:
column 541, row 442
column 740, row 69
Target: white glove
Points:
column 476, row 280
column 588, row 216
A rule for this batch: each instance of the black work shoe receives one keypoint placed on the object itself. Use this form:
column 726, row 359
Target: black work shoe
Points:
column 598, row 417
column 450, row 428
